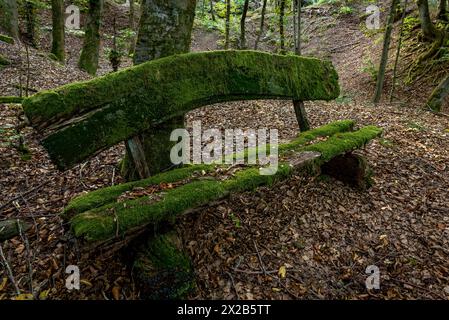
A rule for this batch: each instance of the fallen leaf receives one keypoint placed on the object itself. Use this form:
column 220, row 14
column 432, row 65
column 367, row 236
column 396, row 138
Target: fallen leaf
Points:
column 282, row 271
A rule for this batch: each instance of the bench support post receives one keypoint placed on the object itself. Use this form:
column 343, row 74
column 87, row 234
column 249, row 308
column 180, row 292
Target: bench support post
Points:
column 301, row 115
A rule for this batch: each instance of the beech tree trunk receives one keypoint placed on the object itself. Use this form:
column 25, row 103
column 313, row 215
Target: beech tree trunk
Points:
column 9, row 18
column 89, row 55
column 228, row 23
column 427, row 27
column 262, row 23
column 165, row 29
column 57, row 44
column 242, row 25
column 281, row 26
column 31, row 23
column 386, row 48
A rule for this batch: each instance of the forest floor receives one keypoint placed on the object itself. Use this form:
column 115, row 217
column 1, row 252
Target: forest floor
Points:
column 322, row 231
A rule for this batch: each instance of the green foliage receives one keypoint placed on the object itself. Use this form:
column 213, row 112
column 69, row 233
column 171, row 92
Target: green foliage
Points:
column 417, row 126
column 370, row 69
column 343, row 99
column 235, row 220
column 386, row 143
column 345, row 10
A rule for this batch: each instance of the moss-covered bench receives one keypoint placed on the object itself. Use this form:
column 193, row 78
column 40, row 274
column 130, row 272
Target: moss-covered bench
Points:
column 79, row 120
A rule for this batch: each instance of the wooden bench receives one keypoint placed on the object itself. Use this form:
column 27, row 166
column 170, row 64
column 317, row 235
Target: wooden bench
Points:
column 79, row 120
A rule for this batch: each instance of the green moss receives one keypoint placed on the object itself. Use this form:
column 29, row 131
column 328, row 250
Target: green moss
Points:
column 119, row 218
column 162, row 89
column 343, row 142
column 4, row 61
column 112, row 219
column 7, row 99
column 107, row 195
column 6, row 39
column 162, row 270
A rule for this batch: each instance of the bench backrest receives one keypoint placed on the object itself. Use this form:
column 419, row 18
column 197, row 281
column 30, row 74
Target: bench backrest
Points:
column 80, row 119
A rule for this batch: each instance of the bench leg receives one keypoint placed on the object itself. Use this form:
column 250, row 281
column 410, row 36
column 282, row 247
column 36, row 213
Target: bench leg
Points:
column 350, row 168
column 301, row 115
column 149, row 153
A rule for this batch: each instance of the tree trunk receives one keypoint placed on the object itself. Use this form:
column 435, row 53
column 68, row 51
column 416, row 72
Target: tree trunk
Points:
column 57, row 12
column 242, row 25
column 427, row 27
column 298, row 23
column 442, row 11
column 298, row 105
column 31, row 23
column 228, row 23
column 386, row 47
column 165, row 29
column 89, row 55
column 212, row 11
column 262, row 22
column 131, row 14
column 437, row 97
column 9, row 18
column 398, row 51
column 281, row 26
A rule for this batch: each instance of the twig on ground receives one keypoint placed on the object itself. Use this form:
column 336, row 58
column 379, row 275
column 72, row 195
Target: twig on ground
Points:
column 260, row 258
column 9, row 271
column 27, row 249
column 233, row 285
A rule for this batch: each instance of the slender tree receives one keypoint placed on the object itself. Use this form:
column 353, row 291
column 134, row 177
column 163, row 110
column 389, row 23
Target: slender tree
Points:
column 384, row 57
column 262, row 24
column 57, row 14
column 212, row 11
column 242, row 25
column 281, row 25
column 228, row 23
column 89, row 55
column 149, row 153
column 398, row 51
column 298, row 105
column 31, row 23
column 9, row 17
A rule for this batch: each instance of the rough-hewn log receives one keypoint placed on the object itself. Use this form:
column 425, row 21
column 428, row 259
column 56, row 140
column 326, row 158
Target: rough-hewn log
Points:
column 162, row 270
column 119, row 218
column 8, row 99
column 6, row 39
column 108, row 195
column 10, row 228
column 125, row 103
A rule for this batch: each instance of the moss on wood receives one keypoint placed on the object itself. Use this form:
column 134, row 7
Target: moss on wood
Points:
column 8, row 99
column 162, row 270
column 107, row 195
column 113, row 219
column 133, row 100
column 6, row 39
